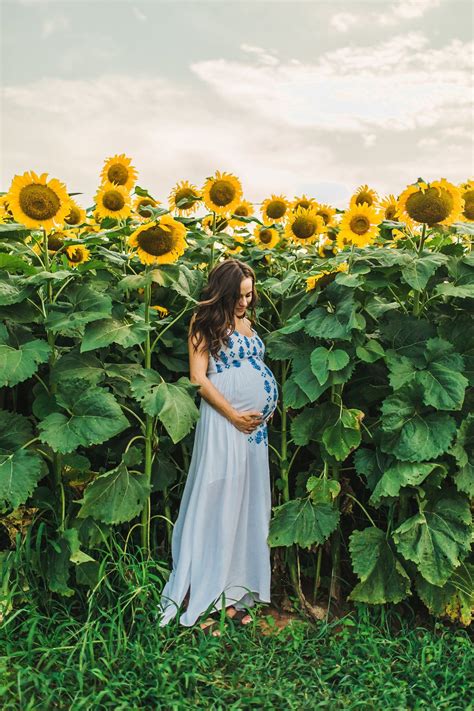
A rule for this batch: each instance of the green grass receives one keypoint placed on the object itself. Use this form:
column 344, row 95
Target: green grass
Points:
column 118, row 658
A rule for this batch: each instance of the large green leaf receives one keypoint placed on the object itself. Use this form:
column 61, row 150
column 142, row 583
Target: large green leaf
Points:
column 303, row 522
column 172, row 403
column 126, row 329
column 421, row 267
column 18, row 362
column 20, row 471
column 294, row 396
column 463, row 450
column 74, row 365
column 410, row 431
column 344, row 435
column 455, row 598
column 438, row 537
column 399, row 475
column 116, row 496
column 382, row 576
column 15, row 431
column 407, row 335
column 303, row 374
column 460, row 332
column 311, row 422
column 92, row 416
column 371, row 464
column 83, row 305
column 13, row 289
column 324, row 360
column 338, row 318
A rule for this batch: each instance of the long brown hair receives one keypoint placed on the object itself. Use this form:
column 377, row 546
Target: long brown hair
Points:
column 215, row 310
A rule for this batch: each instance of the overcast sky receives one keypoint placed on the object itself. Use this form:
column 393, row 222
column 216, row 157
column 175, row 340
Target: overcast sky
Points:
column 293, row 97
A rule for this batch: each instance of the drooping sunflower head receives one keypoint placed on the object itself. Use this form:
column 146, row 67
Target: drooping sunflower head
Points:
column 76, row 216
column 236, row 249
column 221, row 223
column 364, row 194
column 436, row 203
column 162, row 241
column 222, row 193
column 467, row 194
column 141, row 203
column 112, row 201
column 359, row 226
column 266, row 237
column 37, row 202
column 55, row 240
column 243, row 209
column 303, row 201
column 304, row 226
column 77, row 254
column 184, row 198
column 327, row 248
column 162, row 311
column 274, row 209
column 319, row 278
column 117, row 170
column 389, row 208
column 327, row 213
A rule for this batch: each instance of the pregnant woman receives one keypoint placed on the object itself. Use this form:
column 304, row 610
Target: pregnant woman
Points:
column 219, row 545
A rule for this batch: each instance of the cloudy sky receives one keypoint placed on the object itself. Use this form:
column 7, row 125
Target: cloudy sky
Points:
column 293, row 97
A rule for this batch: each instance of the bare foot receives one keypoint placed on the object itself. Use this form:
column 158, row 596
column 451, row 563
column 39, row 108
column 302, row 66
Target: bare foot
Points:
column 244, row 618
column 209, row 626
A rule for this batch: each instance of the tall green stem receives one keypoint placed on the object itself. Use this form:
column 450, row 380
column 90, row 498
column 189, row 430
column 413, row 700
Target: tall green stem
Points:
column 335, row 589
column 146, row 513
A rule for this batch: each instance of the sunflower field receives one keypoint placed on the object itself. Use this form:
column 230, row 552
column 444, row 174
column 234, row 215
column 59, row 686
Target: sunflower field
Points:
column 366, row 314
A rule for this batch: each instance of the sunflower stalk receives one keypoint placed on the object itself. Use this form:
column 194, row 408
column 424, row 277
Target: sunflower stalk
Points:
column 335, row 589
column 317, row 576
column 416, row 303
column 57, row 458
column 149, row 421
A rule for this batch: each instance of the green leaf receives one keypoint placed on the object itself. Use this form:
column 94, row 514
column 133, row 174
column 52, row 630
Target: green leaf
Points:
column 18, row 363
column 13, row 289
column 84, row 305
column 172, row 403
column 135, row 281
column 420, row 268
column 382, row 576
column 293, row 395
column 322, row 490
column 312, row 421
column 410, row 432
column 93, row 416
column 344, row 435
column 463, row 451
column 455, row 599
column 438, row 537
column 319, row 364
column 399, row 475
column 74, row 366
column 302, row 522
column 371, row 464
column 127, row 330
column 20, row 471
column 15, row 431
column 116, row 496
column 303, row 374
column 370, row 352
column 442, row 379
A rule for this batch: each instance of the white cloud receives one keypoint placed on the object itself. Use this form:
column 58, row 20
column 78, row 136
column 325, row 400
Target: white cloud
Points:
column 406, row 10
column 53, row 24
column 261, row 54
column 139, row 14
column 343, row 21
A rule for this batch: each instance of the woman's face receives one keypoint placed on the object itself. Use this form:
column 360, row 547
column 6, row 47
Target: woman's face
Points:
column 245, row 299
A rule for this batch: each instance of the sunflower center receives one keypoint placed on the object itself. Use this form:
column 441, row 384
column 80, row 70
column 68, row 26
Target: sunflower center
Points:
column 432, row 206
column 303, row 228
column 390, row 212
column 187, row 196
column 74, row 216
column 265, row 236
column 156, row 241
column 113, row 200
column 222, row 193
column 75, row 255
column 242, row 211
column 302, row 203
column 364, row 197
column 359, row 224
column 324, row 215
column 54, row 242
column 118, row 174
column 39, row 202
column 142, row 205
column 469, row 204
column 276, row 209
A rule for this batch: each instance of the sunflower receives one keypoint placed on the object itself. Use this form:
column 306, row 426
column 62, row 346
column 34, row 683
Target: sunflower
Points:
column 141, row 203
column 159, row 242
column 77, row 254
column 55, row 241
column 36, row 202
column 314, row 279
column 274, row 209
column 236, row 249
column 304, row 226
column 112, row 201
column 117, row 170
column 266, row 237
column 243, row 209
column 161, row 310
column 467, row 194
column 184, row 198
column 221, row 223
column 77, row 214
column 359, row 226
column 303, row 201
column 364, row 194
column 327, row 213
column 436, row 203
column 327, row 248
column 222, row 193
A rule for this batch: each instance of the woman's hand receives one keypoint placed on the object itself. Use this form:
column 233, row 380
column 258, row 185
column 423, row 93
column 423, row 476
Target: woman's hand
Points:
column 247, row 420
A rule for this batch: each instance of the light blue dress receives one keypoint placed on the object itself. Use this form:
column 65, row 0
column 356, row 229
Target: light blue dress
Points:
column 219, row 544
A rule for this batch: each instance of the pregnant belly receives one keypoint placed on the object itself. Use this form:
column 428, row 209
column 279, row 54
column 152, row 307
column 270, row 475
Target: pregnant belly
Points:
column 255, row 388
